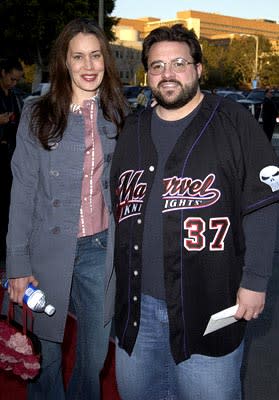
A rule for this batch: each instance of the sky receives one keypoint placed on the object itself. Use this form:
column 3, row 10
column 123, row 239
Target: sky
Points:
column 166, row 9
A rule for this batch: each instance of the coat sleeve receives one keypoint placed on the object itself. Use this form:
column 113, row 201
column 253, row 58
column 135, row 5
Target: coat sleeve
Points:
column 25, row 170
column 261, row 166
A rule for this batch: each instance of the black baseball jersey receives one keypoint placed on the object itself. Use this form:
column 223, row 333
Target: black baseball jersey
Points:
column 221, row 168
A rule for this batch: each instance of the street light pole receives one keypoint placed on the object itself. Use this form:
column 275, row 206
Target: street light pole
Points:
column 257, row 54
column 257, row 50
column 101, row 14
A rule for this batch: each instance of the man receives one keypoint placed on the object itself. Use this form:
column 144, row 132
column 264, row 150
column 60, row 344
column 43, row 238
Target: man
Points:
column 11, row 72
column 193, row 193
column 269, row 114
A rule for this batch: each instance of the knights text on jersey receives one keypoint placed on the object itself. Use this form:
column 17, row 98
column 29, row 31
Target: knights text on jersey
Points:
column 221, row 168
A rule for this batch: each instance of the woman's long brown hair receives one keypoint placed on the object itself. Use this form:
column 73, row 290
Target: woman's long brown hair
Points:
column 50, row 113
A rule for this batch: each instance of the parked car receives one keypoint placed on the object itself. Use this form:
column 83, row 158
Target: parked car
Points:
column 131, row 94
column 275, row 98
column 206, row 91
column 253, row 102
column 42, row 89
column 20, row 93
column 233, row 95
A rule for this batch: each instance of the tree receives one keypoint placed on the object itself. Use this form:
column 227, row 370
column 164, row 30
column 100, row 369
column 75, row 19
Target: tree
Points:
column 217, row 71
column 242, row 56
column 231, row 63
column 269, row 71
column 28, row 27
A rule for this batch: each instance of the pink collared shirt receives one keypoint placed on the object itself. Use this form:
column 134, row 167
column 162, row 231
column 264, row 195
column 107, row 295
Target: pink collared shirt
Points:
column 93, row 211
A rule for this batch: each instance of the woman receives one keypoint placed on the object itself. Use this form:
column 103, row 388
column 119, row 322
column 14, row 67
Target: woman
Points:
column 60, row 226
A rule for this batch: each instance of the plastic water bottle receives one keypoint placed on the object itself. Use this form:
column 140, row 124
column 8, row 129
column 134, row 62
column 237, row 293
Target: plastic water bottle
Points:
column 34, row 298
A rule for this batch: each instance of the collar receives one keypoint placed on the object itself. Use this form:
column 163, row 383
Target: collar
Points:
column 77, row 108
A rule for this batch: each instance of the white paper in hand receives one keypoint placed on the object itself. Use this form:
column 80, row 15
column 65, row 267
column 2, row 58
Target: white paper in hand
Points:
column 221, row 319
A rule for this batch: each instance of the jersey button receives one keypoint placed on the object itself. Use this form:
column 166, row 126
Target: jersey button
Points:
column 151, row 168
column 136, row 272
column 136, row 247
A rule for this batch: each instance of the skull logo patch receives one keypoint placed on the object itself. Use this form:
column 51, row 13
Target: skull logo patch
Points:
column 270, row 176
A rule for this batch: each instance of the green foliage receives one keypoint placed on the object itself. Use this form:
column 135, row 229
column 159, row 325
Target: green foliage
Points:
column 232, row 63
column 269, row 71
column 28, row 27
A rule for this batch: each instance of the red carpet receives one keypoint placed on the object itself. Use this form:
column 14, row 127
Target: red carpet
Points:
column 12, row 388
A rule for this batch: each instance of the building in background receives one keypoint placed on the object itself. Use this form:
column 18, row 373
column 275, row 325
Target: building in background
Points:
column 127, row 52
column 131, row 32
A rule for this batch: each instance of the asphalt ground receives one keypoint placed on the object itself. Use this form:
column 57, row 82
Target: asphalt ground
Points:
column 260, row 370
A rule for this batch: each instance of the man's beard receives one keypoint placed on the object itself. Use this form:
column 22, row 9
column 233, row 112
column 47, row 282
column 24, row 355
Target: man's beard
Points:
column 187, row 94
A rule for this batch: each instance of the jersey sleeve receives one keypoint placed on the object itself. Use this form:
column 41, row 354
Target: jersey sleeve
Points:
column 261, row 175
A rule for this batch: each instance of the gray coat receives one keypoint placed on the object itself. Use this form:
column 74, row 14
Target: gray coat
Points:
column 44, row 216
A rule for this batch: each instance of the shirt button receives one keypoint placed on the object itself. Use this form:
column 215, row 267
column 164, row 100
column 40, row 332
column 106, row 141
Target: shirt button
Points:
column 105, row 184
column 136, row 273
column 88, row 152
column 55, row 230
column 139, row 221
column 56, row 203
column 54, row 146
column 136, row 247
column 151, row 168
column 54, row 173
column 135, row 323
column 85, row 176
column 85, row 198
column 135, row 298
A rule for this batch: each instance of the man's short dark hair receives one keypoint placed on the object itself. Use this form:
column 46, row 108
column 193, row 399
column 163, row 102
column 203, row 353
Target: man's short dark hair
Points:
column 175, row 33
column 10, row 63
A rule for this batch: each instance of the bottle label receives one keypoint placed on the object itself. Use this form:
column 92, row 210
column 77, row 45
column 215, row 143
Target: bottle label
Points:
column 29, row 291
column 34, row 298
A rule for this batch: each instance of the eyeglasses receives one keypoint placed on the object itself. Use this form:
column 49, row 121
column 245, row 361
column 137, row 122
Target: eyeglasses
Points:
column 177, row 65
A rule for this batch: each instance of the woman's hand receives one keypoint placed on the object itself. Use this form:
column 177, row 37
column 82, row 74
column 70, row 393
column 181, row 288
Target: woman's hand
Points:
column 17, row 287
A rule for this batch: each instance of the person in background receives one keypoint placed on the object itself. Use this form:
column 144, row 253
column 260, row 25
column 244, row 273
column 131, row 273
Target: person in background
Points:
column 269, row 114
column 60, row 230
column 141, row 100
column 11, row 72
column 195, row 186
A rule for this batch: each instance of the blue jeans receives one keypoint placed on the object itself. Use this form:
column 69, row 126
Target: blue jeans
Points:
column 151, row 373
column 87, row 303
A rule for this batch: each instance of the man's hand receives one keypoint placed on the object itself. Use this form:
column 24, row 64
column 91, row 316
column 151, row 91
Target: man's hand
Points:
column 4, row 118
column 17, row 287
column 251, row 304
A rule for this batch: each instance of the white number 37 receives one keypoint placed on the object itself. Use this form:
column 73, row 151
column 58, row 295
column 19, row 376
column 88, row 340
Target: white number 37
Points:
column 196, row 226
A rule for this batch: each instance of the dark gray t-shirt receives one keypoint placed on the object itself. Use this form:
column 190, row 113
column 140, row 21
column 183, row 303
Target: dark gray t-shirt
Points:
column 164, row 135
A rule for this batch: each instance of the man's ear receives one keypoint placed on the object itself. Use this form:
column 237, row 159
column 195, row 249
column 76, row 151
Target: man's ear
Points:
column 199, row 69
